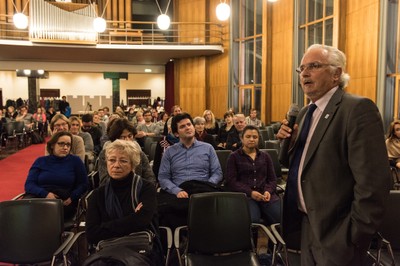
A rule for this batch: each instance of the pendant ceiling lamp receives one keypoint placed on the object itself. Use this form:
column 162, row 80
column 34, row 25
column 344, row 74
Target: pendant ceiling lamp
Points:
column 163, row 20
column 99, row 23
column 223, row 11
column 20, row 20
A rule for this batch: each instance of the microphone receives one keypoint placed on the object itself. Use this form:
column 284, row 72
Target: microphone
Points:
column 291, row 117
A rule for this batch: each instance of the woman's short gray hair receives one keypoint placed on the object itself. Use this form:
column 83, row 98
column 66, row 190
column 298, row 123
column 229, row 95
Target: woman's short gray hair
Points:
column 126, row 147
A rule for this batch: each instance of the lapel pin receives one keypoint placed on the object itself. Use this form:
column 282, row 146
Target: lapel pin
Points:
column 326, row 116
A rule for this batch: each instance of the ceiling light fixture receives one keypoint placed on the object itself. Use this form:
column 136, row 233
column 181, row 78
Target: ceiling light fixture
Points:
column 272, row 1
column 20, row 19
column 163, row 20
column 223, row 11
column 99, row 23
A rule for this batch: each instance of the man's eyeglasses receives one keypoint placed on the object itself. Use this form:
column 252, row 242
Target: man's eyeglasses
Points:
column 64, row 144
column 311, row 67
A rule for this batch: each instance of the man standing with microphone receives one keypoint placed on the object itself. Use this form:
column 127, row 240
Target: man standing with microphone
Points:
column 338, row 169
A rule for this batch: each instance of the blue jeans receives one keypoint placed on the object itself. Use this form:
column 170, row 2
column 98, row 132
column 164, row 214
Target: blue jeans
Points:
column 270, row 212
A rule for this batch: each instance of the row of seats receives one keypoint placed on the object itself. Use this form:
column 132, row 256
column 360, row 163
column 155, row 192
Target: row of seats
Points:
column 17, row 134
column 28, row 238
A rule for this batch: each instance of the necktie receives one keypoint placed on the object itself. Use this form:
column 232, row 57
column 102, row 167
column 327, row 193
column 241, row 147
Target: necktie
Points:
column 292, row 188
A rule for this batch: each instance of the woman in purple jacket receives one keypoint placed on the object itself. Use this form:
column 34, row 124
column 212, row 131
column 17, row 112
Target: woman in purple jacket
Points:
column 251, row 171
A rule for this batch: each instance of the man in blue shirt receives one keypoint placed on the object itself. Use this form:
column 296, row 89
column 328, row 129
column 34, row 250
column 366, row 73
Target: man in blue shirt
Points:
column 189, row 166
column 187, row 160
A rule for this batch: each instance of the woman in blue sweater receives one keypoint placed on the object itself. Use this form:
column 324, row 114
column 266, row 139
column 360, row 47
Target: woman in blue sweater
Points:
column 59, row 175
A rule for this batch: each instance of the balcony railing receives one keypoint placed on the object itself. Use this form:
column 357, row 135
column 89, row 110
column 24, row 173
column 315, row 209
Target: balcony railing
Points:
column 131, row 33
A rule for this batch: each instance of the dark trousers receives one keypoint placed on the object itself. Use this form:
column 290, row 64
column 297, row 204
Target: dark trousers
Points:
column 313, row 254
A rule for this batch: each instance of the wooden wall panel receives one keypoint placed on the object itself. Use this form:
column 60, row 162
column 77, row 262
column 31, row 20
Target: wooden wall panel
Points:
column 192, row 85
column 218, row 71
column 192, row 11
column 281, row 58
column 362, row 46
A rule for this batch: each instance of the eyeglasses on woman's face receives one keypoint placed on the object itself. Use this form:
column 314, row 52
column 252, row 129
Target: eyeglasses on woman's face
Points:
column 64, row 144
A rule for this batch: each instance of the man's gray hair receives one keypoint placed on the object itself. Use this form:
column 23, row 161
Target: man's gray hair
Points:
column 336, row 58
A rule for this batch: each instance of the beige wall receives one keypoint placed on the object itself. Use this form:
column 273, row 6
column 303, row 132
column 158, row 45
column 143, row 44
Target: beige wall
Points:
column 88, row 84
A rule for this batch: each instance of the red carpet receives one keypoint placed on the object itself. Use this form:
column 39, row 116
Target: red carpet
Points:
column 14, row 170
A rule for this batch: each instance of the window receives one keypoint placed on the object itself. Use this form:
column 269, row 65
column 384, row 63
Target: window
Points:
column 317, row 21
column 247, row 55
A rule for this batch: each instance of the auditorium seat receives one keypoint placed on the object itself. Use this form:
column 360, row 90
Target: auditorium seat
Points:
column 217, row 235
column 32, row 231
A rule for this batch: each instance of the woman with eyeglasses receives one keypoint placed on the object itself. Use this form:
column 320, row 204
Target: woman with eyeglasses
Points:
column 60, row 175
column 125, row 204
column 123, row 129
column 59, row 123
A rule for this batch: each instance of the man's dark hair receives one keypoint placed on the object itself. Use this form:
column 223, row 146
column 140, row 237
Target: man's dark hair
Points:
column 118, row 126
column 177, row 118
column 87, row 118
column 250, row 127
column 147, row 112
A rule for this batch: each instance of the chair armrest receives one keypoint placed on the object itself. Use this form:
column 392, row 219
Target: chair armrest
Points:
column 275, row 231
column 19, row 196
column 169, row 235
column 267, row 231
column 68, row 237
column 176, row 235
column 72, row 242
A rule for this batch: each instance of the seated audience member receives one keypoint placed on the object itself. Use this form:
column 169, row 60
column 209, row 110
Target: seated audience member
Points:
column 2, row 121
column 11, row 114
column 95, row 132
column 162, row 145
column 76, row 130
column 50, row 113
column 87, row 141
column 131, row 114
column 139, row 119
column 39, row 118
column 61, row 123
column 201, row 134
column 233, row 141
column 211, row 125
column 111, row 209
column 225, row 129
column 393, row 143
column 98, row 122
column 253, row 120
column 147, row 129
column 105, row 138
column 154, row 115
column 60, row 175
column 176, row 109
column 187, row 167
column 251, row 171
column 122, row 129
column 106, row 114
column 25, row 116
column 161, row 123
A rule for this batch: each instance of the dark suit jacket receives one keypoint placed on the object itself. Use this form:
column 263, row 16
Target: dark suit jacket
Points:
column 345, row 179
